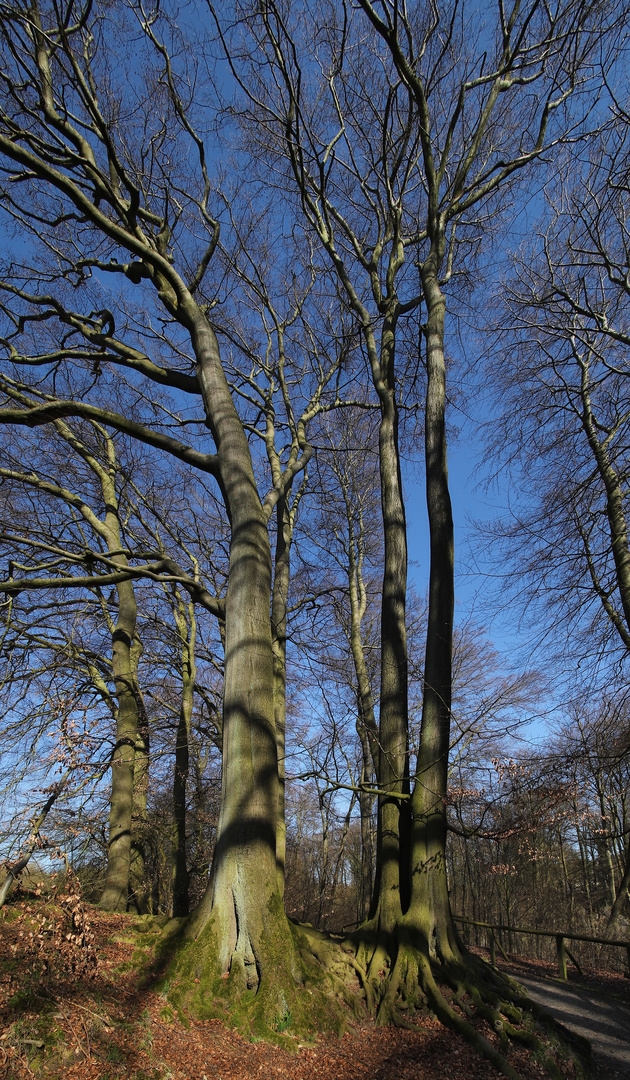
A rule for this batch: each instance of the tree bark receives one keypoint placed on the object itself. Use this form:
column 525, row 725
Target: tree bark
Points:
column 187, row 633
column 282, row 573
column 391, row 888
column 243, row 895
column 429, row 908
column 137, row 869
column 116, row 891
column 621, row 899
column 614, row 504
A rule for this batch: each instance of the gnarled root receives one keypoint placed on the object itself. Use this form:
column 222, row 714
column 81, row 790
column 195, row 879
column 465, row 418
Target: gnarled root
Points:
column 461, row 992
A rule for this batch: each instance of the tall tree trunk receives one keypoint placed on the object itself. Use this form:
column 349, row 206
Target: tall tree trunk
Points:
column 430, row 908
column 391, row 888
column 242, row 900
column 282, row 574
column 366, row 803
column 618, row 529
column 137, row 870
column 366, row 721
column 116, row 891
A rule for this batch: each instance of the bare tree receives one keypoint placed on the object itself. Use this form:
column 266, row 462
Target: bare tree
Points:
column 389, row 164
column 55, row 562
column 106, row 205
column 567, row 312
column 397, row 149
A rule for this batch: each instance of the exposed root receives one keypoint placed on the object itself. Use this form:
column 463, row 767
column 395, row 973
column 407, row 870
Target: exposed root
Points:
column 401, row 984
column 396, row 978
column 365, row 982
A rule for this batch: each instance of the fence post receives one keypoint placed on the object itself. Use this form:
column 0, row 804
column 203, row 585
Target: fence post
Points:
column 562, row 957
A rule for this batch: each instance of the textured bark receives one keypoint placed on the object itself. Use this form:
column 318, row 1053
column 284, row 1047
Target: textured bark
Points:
column 366, row 721
column 117, row 889
column 615, row 514
column 186, row 629
column 137, row 869
column 242, row 898
column 391, row 887
column 126, row 652
column 622, row 899
column 282, row 573
column 429, row 908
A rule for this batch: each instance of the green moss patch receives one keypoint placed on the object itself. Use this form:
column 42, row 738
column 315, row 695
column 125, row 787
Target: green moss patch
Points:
column 295, row 998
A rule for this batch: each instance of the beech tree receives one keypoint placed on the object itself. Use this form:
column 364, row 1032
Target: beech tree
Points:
column 110, row 210
column 72, row 537
column 109, row 189
column 347, row 543
column 88, row 494
column 566, row 306
column 395, row 147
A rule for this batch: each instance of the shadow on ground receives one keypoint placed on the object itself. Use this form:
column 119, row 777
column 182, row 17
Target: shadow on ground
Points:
column 602, row 1020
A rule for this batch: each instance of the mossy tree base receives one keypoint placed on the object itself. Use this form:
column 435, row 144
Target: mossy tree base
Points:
column 463, row 992
column 312, row 982
column 300, row 993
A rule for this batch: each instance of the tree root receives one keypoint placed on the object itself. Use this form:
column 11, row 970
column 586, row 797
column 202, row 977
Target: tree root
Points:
column 401, row 984
column 365, row 983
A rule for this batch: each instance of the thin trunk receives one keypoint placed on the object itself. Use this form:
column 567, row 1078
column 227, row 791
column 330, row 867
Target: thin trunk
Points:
column 567, row 881
column 621, row 899
column 366, row 721
column 137, row 870
column 366, row 804
column 282, row 573
column 614, row 512
column 186, row 628
column 584, row 864
column 116, row 891
column 605, row 840
column 324, row 873
column 125, row 656
column 15, row 869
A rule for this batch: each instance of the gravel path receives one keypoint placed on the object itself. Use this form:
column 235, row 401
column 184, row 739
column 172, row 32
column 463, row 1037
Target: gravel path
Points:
column 606, row 1023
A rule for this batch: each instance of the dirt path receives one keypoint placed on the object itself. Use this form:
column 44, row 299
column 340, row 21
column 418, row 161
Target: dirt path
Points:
column 601, row 1019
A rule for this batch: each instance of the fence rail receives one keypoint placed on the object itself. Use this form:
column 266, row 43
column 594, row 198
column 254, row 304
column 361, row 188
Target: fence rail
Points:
column 560, row 936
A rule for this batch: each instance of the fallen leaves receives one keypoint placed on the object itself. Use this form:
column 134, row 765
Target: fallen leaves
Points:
column 104, row 1028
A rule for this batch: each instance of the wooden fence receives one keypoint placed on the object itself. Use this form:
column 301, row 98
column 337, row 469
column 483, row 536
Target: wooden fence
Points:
column 562, row 950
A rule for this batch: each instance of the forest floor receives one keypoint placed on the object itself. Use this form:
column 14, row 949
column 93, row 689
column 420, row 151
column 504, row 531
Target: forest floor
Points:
column 71, row 1006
